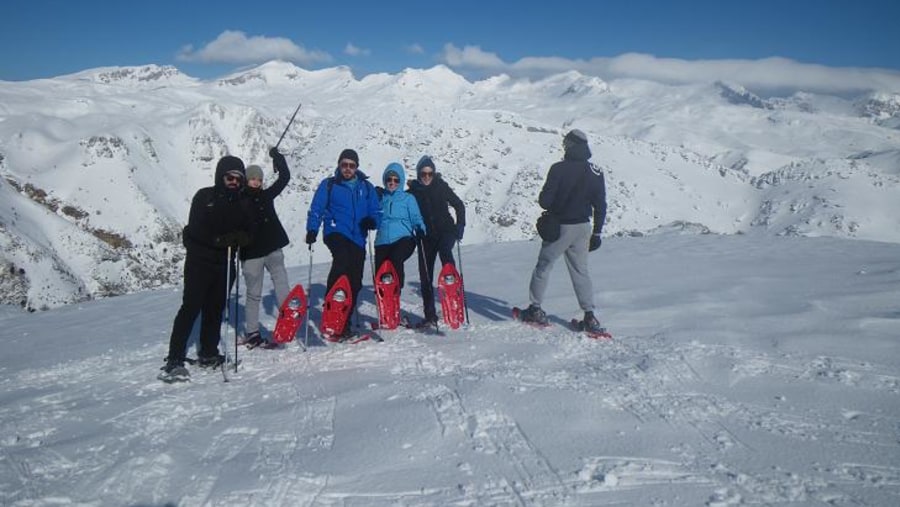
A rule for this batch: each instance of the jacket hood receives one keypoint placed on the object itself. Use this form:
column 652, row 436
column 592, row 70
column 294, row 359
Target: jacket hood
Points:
column 394, row 167
column 578, row 151
column 227, row 164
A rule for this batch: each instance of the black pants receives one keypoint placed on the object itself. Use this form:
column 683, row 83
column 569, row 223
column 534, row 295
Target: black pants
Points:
column 203, row 295
column 430, row 248
column 396, row 252
column 347, row 258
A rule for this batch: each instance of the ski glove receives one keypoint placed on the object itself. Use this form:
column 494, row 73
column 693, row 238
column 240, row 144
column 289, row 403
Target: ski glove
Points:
column 419, row 233
column 460, row 229
column 367, row 224
column 595, row 242
column 311, row 237
column 278, row 161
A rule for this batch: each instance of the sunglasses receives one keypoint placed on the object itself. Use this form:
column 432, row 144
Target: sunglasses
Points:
column 348, row 165
column 392, row 179
column 426, row 174
column 232, row 177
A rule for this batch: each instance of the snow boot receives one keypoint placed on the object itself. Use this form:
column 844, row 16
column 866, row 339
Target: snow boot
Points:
column 427, row 324
column 211, row 361
column 253, row 340
column 174, row 371
column 591, row 324
column 535, row 315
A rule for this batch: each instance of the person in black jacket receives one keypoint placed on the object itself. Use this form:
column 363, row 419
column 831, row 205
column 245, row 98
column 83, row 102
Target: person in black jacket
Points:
column 221, row 216
column 265, row 252
column 575, row 191
column 435, row 198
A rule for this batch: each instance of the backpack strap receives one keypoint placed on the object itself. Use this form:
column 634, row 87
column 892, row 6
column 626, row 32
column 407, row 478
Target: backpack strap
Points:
column 328, row 198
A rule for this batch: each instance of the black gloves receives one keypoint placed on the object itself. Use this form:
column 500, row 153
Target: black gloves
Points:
column 595, row 242
column 460, row 229
column 235, row 239
column 311, row 237
column 367, row 224
column 278, row 160
column 418, row 233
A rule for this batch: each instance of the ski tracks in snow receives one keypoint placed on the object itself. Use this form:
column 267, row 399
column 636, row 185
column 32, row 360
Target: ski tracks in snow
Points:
column 263, row 445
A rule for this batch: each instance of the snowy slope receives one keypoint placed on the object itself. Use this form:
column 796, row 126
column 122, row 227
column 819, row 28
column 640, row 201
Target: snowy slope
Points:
column 113, row 156
column 745, row 370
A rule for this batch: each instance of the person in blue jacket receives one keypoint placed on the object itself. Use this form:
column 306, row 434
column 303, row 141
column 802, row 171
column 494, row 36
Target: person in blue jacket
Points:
column 347, row 204
column 401, row 221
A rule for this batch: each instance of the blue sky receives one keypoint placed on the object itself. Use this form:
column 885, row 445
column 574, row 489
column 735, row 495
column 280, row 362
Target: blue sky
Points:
column 205, row 39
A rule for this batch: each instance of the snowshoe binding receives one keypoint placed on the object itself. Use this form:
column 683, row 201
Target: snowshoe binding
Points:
column 174, row 371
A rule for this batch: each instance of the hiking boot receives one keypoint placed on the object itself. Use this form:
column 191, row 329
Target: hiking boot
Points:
column 534, row 314
column 211, row 361
column 428, row 323
column 591, row 324
column 174, row 371
column 253, row 340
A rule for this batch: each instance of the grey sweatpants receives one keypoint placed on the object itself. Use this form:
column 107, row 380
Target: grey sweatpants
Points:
column 253, row 277
column 573, row 242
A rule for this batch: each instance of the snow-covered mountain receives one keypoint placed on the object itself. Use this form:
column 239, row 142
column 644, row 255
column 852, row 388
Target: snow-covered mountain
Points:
column 98, row 168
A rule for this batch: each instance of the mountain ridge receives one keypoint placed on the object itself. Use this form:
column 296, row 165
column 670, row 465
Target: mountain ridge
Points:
column 110, row 163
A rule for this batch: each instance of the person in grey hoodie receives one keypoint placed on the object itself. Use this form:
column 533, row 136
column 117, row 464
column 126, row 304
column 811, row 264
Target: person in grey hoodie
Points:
column 575, row 191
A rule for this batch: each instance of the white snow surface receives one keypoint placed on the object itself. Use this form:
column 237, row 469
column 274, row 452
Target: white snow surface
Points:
column 97, row 168
column 745, row 370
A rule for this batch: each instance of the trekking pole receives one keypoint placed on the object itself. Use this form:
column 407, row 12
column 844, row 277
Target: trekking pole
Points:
column 423, row 261
column 308, row 298
column 372, row 268
column 462, row 281
column 288, row 125
column 237, row 301
column 227, row 309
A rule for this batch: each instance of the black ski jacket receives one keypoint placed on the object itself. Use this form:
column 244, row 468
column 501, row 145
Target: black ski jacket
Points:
column 575, row 190
column 435, row 201
column 216, row 211
column 270, row 234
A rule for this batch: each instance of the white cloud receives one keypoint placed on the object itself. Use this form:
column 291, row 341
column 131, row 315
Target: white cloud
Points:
column 235, row 47
column 768, row 74
column 415, row 49
column 471, row 56
column 352, row 50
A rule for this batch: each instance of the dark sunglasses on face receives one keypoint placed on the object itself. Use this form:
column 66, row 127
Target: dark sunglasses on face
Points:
column 426, row 174
column 230, row 177
column 348, row 165
column 392, row 179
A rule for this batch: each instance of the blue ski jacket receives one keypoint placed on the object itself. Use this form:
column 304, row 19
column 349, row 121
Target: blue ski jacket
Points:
column 342, row 205
column 400, row 211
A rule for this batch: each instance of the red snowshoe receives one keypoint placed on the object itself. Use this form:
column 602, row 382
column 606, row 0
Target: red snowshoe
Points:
column 387, row 295
column 450, row 289
column 336, row 310
column 290, row 316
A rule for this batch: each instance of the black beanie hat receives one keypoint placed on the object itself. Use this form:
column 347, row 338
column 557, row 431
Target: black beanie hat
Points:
column 424, row 162
column 349, row 154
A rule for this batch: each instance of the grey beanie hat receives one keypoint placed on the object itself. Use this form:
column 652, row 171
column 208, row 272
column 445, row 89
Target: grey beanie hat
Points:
column 576, row 136
column 255, row 172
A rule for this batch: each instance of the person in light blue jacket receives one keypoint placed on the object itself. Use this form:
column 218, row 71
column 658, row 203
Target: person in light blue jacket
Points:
column 401, row 221
column 347, row 203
